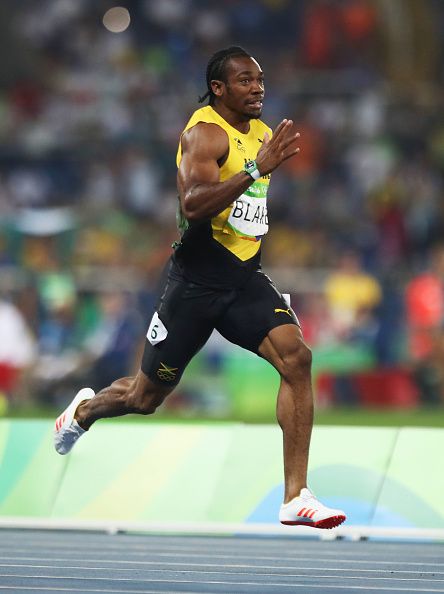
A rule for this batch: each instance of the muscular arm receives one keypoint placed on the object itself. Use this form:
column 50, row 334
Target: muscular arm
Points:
column 201, row 193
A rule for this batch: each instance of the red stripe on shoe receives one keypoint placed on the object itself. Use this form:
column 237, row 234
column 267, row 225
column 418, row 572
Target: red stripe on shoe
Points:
column 301, row 511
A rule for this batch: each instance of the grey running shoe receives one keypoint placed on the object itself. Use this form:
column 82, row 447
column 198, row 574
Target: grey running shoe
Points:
column 67, row 431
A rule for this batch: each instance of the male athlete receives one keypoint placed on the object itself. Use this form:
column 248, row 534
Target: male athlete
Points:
column 225, row 158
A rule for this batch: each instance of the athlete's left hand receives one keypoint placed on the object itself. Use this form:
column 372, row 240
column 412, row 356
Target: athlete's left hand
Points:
column 277, row 149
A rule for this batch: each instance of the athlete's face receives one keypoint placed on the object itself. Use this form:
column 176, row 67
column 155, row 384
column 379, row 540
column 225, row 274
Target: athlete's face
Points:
column 243, row 91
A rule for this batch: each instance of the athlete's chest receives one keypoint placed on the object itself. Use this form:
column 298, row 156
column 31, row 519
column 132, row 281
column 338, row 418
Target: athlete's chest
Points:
column 242, row 148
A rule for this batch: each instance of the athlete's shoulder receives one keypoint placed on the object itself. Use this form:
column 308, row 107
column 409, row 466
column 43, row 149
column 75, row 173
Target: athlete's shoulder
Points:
column 204, row 132
column 203, row 114
column 203, row 140
column 204, row 122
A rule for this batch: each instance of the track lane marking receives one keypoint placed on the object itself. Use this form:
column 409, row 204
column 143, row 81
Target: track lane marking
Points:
column 143, row 580
column 281, row 558
column 294, row 585
column 156, row 547
column 326, row 569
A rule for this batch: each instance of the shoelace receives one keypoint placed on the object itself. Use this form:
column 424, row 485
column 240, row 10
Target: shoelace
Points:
column 313, row 502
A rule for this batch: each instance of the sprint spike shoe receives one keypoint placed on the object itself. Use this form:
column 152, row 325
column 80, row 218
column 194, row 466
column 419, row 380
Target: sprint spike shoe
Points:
column 306, row 510
column 67, row 431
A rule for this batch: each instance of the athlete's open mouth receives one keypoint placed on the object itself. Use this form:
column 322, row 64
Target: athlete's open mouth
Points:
column 256, row 104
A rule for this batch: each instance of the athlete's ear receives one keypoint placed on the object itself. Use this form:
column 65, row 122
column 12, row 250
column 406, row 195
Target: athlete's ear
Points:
column 217, row 87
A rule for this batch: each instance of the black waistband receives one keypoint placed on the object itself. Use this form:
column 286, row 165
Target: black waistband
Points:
column 201, row 259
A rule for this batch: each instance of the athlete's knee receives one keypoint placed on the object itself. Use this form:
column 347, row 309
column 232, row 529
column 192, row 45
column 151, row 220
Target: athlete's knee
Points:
column 143, row 403
column 296, row 360
column 147, row 400
column 138, row 397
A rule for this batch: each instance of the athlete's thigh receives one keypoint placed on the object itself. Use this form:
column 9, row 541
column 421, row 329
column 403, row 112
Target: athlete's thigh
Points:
column 258, row 308
column 181, row 325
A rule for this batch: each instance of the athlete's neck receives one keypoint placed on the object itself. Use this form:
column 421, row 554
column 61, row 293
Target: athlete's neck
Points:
column 236, row 120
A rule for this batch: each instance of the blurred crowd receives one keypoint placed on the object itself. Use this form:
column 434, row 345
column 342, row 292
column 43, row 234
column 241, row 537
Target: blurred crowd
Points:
column 89, row 127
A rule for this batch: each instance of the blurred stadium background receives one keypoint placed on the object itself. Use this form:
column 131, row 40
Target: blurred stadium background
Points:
column 89, row 126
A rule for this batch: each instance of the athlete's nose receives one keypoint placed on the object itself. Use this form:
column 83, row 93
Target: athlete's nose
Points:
column 257, row 87
column 257, row 93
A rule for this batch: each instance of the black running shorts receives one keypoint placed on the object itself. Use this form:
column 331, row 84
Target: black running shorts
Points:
column 187, row 313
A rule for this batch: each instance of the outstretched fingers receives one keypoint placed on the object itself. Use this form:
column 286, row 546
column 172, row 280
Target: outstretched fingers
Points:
column 284, row 135
column 279, row 148
column 288, row 147
column 281, row 129
column 290, row 153
column 289, row 140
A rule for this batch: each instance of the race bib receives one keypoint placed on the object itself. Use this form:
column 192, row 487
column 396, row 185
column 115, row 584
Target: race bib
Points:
column 249, row 215
column 157, row 331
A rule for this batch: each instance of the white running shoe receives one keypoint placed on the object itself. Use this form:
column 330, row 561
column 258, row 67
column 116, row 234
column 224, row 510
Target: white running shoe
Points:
column 67, row 431
column 306, row 510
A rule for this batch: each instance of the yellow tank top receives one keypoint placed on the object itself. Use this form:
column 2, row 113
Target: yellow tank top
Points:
column 240, row 227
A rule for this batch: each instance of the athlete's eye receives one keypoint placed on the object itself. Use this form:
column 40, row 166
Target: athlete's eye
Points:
column 245, row 81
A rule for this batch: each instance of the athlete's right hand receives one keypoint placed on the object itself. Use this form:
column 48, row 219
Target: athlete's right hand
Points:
column 277, row 149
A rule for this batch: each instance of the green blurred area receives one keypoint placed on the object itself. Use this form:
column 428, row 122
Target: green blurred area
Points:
column 340, row 416
column 243, row 387
column 251, row 380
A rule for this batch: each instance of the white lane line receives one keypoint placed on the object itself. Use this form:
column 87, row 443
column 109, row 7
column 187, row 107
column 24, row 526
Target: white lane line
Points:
column 255, row 584
column 308, row 537
column 197, row 581
column 319, row 560
column 162, row 546
column 331, row 587
column 83, row 590
column 184, row 542
column 168, row 567
column 117, row 542
column 217, row 565
column 53, row 589
column 287, row 553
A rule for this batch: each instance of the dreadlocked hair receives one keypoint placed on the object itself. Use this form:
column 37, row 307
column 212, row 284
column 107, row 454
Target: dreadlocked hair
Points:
column 216, row 68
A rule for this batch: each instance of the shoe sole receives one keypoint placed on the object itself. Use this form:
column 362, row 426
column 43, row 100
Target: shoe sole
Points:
column 327, row 523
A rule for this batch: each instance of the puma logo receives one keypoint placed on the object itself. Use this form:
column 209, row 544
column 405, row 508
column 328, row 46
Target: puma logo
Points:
column 287, row 311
